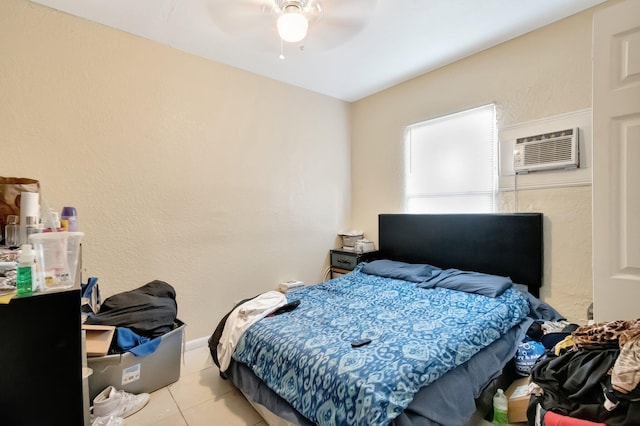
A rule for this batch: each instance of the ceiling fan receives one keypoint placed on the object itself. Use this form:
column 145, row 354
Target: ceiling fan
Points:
column 304, row 25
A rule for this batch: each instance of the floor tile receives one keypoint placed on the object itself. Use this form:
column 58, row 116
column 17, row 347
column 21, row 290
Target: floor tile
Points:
column 175, row 420
column 195, row 360
column 201, row 397
column 161, row 409
column 195, row 388
column 230, row 409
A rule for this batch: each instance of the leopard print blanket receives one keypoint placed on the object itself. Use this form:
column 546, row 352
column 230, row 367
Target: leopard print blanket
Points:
column 625, row 374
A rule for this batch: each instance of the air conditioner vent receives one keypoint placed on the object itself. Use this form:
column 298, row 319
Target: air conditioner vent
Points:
column 548, row 151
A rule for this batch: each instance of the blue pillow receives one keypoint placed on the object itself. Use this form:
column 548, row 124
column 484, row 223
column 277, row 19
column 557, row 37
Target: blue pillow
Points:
column 399, row 270
column 472, row 282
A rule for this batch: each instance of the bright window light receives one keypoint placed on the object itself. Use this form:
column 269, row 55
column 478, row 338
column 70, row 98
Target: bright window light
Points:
column 451, row 163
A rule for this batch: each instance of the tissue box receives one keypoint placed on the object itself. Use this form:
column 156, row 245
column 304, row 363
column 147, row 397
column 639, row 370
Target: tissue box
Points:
column 518, row 399
column 139, row 374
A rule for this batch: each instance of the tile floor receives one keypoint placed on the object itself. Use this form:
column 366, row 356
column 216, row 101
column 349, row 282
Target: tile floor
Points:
column 201, row 397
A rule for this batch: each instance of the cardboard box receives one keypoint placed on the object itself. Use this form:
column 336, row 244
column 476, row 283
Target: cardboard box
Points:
column 139, row 374
column 518, row 398
column 98, row 338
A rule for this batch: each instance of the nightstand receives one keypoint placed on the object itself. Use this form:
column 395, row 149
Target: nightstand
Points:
column 342, row 261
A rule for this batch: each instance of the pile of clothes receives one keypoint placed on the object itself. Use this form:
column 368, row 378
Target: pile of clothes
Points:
column 141, row 317
column 591, row 377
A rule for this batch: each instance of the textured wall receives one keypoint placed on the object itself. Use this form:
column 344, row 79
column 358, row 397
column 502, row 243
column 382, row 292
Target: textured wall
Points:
column 567, row 235
column 218, row 181
column 541, row 74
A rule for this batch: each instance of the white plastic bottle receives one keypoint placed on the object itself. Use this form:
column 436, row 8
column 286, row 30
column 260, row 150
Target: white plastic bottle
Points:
column 500, row 409
column 25, row 273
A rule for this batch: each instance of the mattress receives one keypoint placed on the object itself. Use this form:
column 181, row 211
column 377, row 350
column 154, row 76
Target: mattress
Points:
column 433, row 350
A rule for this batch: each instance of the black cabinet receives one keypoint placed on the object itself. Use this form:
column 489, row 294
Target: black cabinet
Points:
column 41, row 360
column 343, row 261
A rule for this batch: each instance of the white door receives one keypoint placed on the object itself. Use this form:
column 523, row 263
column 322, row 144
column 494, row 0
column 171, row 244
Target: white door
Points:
column 616, row 162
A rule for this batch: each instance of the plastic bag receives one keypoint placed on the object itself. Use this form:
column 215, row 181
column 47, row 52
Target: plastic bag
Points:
column 10, row 190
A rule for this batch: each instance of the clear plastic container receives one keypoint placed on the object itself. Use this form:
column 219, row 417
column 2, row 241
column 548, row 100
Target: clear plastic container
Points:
column 73, row 253
column 57, row 256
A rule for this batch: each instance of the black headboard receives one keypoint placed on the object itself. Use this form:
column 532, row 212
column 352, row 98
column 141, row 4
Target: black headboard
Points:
column 499, row 244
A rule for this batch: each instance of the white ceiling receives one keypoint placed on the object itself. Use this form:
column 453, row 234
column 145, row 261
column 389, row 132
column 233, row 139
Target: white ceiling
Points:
column 401, row 40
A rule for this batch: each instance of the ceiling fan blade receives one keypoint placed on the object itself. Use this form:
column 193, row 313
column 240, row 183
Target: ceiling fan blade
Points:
column 239, row 17
column 359, row 10
column 338, row 22
column 252, row 23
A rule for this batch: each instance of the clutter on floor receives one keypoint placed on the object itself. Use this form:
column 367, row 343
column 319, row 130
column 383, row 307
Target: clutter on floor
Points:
column 113, row 403
column 108, row 421
column 133, row 339
column 593, row 377
column 149, row 310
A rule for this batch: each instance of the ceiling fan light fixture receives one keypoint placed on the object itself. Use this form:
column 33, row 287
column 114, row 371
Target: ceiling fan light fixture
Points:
column 292, row 24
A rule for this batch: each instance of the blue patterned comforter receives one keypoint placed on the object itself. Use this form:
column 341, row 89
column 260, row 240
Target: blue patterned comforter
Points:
column 417, row 335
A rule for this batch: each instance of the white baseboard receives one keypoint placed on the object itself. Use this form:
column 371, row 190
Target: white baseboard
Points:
column 197, row 343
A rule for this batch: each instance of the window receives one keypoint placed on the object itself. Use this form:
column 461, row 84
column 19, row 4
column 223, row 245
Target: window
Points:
column 451, row 163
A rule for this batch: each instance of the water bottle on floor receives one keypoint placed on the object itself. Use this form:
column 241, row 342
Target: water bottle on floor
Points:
column 500, row 407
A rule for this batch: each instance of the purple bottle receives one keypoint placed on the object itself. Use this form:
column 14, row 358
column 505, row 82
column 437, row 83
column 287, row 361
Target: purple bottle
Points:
column 69, row 214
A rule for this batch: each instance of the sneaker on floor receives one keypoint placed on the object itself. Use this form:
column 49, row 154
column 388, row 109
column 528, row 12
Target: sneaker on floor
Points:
column 111, row 402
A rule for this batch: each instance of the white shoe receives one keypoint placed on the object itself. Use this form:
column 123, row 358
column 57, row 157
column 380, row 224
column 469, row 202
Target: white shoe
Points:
column 111, row 402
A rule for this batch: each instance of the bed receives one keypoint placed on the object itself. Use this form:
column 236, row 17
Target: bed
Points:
column 432, row 354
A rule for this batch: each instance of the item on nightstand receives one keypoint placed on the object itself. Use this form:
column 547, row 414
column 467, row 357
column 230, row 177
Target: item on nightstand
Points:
column 57, row 256
column 363, row 246
column 11, row 189
column 25, row 271
column 52, row 223
column 349, row 238
column 500, row 409
column 12, row 231
column 31, row 226
column 69, row 217
column 29, row 214
column 289, row 286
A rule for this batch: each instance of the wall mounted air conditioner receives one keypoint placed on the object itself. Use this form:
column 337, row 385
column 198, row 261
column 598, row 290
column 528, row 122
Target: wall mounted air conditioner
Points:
column 548, row 151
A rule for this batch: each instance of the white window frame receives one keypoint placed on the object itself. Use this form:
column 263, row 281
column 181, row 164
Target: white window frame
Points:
column 435, row 190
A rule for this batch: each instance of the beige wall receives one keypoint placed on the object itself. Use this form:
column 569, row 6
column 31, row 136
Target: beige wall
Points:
column 224, row 183
column 220, row 182
column 541, row 74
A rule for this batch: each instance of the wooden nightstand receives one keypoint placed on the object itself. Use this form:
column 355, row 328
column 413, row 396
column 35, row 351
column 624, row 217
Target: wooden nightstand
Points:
column 343, row 261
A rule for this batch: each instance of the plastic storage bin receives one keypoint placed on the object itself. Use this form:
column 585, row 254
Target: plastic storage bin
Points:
column 57, row 256
column 135, row 374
